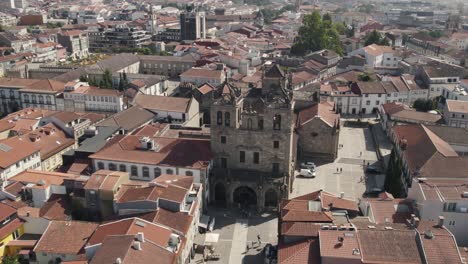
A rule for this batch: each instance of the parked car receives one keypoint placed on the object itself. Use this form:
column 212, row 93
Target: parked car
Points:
column 373, row 170
column 308, row 165
column 270, row 253
column 307, row 173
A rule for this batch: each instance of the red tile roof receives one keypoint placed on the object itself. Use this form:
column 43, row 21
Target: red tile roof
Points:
column 303, row 252
column 303, row 229
column 441, row 247
column 330, row 247
column 6, row 211
column 323, row 110
column 132, row 226
column 10, row 227
column 388, row 246
column 65, row 237
column 188, row 153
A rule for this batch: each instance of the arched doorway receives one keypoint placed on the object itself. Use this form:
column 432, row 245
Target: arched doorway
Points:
column 271, row 198
column 220, row 194
column 245, row 196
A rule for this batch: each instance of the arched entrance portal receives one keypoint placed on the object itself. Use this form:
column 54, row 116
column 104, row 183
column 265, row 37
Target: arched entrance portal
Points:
column 220, row 194
column 271, row 198
column 245, row 196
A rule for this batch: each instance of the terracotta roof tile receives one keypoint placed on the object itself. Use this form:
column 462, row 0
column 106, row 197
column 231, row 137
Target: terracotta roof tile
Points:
column 457, row 106
column 163, row 103
column 303, row 229
column 322, row 110
column 330, row 246
column 388, row 246
column 303, row 252
column 189, row 153
column 6, row 211
column 65, row 237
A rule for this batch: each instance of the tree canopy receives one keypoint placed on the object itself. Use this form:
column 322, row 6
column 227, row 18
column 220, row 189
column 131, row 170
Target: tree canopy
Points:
column 376, row 38
column 317, row 33
column 424, row 105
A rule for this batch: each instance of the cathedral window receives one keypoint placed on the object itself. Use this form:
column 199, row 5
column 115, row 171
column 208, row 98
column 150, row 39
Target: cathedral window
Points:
column 277, row 122
column 256, row 158
column 219, row 117
column 249, row 123
column 227, row 119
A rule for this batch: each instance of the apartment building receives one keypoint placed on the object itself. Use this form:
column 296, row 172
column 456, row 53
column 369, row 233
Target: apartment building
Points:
column 439, row 77
column 443, row 200
column 81, row 97
column 165, row 65
column 121, row 36
column 17, row 156
column 456, row 113
column 76, row 42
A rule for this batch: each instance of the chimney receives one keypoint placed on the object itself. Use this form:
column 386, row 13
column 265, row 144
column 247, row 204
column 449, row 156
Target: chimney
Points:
column 412, row 219
column 342, row 195
column 136, row 245
column 416, row 222
column 118, row 261
column 441, row 221
column 140, row 236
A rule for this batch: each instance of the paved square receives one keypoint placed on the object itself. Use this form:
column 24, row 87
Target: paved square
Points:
column 346, row 173
column 237, row 232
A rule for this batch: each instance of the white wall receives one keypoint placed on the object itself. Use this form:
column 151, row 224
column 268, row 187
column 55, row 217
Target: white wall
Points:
column 35, row 225
column 151, row 167
column 31, row 162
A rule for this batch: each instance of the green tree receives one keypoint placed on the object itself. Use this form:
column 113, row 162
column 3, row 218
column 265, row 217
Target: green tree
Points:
column 424, row 105
column 10, row 260
column 1, row 28
column 393, row 183
column 316, row 34
column 341, row 28
column 106, row 81
column 376, row 38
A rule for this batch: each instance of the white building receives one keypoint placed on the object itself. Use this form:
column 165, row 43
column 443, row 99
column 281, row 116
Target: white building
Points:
column 446, row 198
column 171, row 109
column 17, row 156
column 380, row 58
column 439, row 77
column 80, row 97
column 147, row 157
column 456, row 113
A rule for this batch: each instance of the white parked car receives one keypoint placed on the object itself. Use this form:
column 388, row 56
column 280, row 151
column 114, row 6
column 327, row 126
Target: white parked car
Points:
column 307, row 173
column 308, row 165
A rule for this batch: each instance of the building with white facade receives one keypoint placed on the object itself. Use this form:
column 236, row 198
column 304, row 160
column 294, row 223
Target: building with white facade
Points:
column 147, row 157
column 446, row 198
column 80, row 97
column 171, row 109
column 17, row 156
column 456, row 113
column 439, row 77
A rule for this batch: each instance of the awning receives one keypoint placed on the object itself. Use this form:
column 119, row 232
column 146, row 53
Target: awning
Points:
column 22, row 243
column 25, row 252
column 204, row 220
column 211, row 238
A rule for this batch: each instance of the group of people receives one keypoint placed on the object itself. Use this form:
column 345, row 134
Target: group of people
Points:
column 259, row 241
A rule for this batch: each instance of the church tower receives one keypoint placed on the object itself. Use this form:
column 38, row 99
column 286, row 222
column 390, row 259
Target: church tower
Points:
column 152, row 26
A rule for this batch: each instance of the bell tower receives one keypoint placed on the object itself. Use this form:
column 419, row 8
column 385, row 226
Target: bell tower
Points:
column 152, row 24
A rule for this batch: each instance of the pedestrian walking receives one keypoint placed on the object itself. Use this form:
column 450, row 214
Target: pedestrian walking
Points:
column 259, row 240
column 337, row 169
column 341, row 170
column 360, row 154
